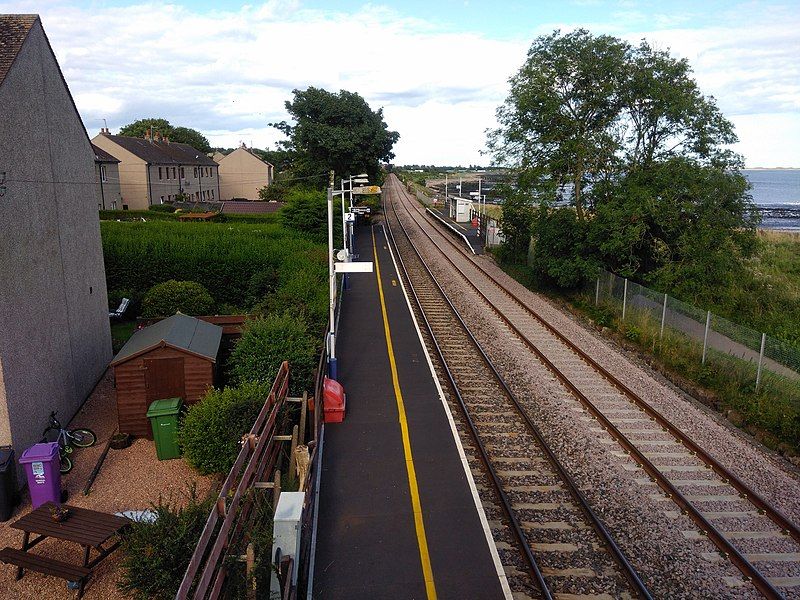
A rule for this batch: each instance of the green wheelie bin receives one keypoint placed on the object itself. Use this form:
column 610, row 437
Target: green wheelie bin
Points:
column 164, row 415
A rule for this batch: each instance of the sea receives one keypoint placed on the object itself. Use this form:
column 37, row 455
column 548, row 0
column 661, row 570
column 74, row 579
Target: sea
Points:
column 776, row 193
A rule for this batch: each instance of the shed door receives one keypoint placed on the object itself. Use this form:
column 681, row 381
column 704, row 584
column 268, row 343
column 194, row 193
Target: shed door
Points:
column 164, row 378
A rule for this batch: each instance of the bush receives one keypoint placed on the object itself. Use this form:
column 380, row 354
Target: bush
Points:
column 188, row 297
column 212, row 429
column 165, row 208
column 157, row 554
column 306, row 211
column 266, row 343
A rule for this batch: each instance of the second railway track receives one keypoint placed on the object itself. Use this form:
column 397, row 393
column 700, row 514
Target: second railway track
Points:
column 724, row 509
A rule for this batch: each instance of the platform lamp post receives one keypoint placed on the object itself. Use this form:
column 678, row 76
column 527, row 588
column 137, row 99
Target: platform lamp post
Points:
column 332, row 370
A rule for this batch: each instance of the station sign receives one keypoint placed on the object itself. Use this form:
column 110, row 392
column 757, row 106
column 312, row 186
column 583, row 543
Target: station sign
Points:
column 361, row 210
column 367, row 190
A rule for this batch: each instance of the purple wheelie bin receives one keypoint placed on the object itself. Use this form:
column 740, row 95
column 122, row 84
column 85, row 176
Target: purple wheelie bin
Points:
column 43, row 470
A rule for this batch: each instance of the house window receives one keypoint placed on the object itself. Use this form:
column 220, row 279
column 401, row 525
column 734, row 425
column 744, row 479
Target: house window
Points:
column 167, row 170
column 211, row 172
column 159, row 173
column 183, row 174
column 195, row 172
column 162, row 199
column 103, row 177
column 174, row 175
column 114, row 205
column 212, row 194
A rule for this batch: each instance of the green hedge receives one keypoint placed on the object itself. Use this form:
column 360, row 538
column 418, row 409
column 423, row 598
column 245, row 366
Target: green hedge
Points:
column 167, row 298
column 212, row 429
column 224, row 258
column 266, row 343
column 136, row 215
column 164, row 208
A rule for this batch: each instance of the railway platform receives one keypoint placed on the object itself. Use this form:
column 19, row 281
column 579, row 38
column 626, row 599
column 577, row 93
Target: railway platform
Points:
column 399, row 516
column 469, row 230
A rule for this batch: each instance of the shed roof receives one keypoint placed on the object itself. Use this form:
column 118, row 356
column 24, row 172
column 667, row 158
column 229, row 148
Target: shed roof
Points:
column 13, row 31
column 162, row 153
column 102, row 156
column 179, row 331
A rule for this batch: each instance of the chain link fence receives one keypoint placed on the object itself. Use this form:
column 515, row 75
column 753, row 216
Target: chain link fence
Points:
column 711, row 334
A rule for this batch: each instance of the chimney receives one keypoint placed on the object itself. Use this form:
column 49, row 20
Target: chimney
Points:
column 166, row 139
column 157, row 137
column 148, row 135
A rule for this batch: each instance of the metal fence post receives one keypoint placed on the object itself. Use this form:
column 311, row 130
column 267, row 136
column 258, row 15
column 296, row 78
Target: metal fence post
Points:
column 663, row 318
column 597, row 292
column 705, row 336
column 625, row 299
column 760, row 360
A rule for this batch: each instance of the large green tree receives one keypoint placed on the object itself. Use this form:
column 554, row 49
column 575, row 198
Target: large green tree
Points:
column 182, row 135
column 335, row 131
column 623, row 134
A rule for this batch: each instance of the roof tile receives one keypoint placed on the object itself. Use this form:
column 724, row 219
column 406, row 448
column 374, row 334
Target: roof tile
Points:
column 13, row 31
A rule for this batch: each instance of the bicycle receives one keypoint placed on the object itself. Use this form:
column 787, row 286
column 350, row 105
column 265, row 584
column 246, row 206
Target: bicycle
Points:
column 68, row 440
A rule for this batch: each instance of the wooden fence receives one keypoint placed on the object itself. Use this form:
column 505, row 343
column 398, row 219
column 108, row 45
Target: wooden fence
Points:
column 207, row 571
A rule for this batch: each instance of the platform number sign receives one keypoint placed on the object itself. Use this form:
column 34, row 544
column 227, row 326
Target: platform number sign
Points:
column 2, row 183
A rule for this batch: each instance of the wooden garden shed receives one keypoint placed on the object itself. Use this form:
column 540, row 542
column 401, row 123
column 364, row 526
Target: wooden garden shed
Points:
column 176, row 357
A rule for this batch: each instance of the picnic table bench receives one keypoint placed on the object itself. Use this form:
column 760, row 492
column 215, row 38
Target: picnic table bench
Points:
column 88, row 528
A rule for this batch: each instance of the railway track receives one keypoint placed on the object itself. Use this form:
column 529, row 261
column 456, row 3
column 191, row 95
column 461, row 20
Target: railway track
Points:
column 565, row 546
column 746, row 530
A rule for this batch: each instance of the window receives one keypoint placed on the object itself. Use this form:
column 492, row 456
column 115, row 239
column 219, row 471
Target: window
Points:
column 159, row 173
column 103, row 173
column 167, row 170
column 114, row 205
column 162, row 199
column 174, row 176
column 183, row 174
column 211, row 172
column 212, row 194
column 195, row 172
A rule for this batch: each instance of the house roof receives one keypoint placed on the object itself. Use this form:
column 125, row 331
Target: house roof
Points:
column 162, row 153
column 179, row 331
column 102, row 156
column 13, row 31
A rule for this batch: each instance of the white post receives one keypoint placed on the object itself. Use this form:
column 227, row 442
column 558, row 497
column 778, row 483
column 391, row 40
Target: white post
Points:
column 760, row 360
column 344, row 223
column 597, row 292
column 331, row 289
column 705, row 336
column 663, row 317
column 479, row 195
column 625, row 299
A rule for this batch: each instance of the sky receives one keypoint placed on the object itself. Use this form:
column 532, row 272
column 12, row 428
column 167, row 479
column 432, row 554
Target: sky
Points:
column 439, row 68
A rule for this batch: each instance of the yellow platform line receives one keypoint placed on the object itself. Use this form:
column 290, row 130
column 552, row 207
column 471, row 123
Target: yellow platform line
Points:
column 427, row 571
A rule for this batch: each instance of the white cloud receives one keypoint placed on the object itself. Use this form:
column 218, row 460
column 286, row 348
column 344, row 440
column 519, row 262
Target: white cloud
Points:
column 229, row 72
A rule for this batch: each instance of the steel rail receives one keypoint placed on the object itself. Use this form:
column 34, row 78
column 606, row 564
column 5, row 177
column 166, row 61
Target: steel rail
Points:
column 723, row 544
column 618, row 555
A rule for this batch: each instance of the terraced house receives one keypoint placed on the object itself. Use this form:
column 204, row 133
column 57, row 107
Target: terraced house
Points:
column 55, row 341
column 153, row 170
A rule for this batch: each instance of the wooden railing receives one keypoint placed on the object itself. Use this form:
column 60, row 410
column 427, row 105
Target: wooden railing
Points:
column 207, row 572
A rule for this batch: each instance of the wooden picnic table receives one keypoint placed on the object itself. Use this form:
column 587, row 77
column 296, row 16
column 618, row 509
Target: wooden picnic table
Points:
column 88, row 528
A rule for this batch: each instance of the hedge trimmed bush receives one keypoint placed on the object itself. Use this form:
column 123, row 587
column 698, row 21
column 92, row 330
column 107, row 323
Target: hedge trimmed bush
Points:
column 188, row 297
column 165, row 208
column 157, row 554
column 266, row 343
column 212, row 429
